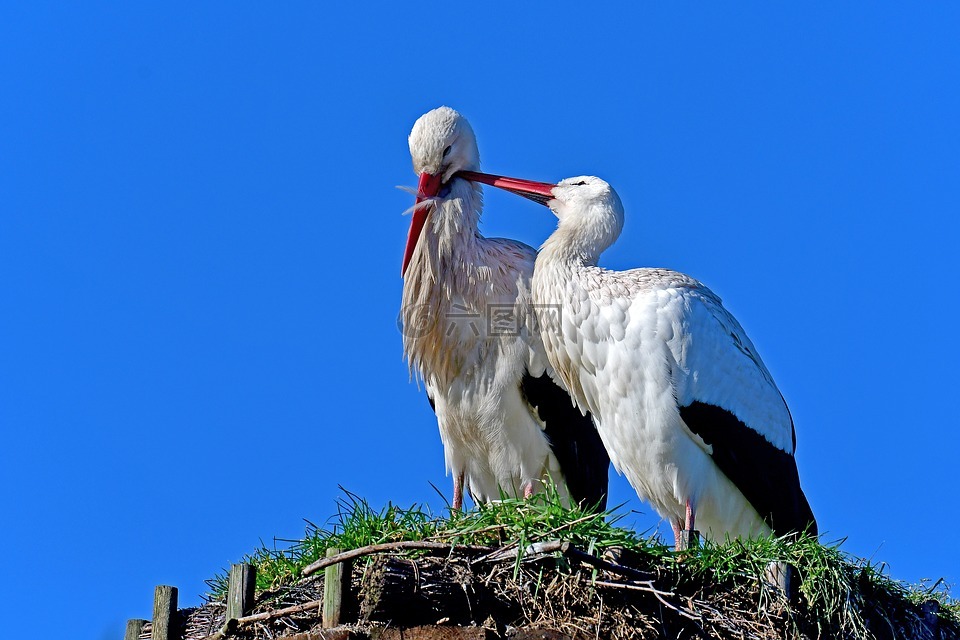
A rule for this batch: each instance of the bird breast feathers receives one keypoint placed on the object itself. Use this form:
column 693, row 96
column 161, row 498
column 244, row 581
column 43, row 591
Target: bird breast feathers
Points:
column 461, row 309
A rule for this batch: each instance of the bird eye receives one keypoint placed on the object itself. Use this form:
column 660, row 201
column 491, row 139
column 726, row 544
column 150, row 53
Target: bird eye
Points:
column 582, row 183
column 446, row 151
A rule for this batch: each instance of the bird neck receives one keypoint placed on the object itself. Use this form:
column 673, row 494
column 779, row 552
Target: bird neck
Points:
column 568, row 248
column 443, row 267
column 556, row 277
column 452, row 234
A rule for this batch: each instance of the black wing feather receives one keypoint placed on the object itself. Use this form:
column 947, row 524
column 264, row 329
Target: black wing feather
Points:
column 766, row 475
column 573, row 439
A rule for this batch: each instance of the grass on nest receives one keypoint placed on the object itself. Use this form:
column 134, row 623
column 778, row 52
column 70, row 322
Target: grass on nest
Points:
column 510, row 520
column 837, row 587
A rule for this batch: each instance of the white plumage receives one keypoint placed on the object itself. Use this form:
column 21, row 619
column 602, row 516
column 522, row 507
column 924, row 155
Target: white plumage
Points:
column 506, row 428
column 683, row 403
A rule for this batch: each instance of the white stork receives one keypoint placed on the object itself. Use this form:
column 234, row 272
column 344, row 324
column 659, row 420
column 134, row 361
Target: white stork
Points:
column 684, row 405
column 506, row 426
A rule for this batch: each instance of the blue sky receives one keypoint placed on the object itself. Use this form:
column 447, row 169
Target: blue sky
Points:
column 200, row 245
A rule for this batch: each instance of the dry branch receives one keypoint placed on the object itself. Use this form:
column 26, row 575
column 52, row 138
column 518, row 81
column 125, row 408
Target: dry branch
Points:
column 404, row 545
column 649, row 588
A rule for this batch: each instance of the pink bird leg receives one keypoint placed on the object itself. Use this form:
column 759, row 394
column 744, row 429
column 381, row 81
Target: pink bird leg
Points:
column 690, row 517
column 527, row 490
column 679, row 526
column 458, row 492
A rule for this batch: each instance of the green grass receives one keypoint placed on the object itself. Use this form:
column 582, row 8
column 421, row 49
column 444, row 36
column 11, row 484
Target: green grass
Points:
column 357, row 524
column 838, row 588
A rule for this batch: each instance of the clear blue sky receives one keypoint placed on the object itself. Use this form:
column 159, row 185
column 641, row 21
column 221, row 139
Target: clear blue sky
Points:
column 200, row 245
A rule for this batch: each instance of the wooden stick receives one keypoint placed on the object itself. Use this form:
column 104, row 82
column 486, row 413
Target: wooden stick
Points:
column 164, row 609
column 454, row 534
column 336, row 588
column 572, row 552
column 243, row 582
column 634, row 586
column 279, row 613
column 782, row 575
column 388, row 547
column 134, row 629
column 536, row 548
column 230, row 627
column 650, row 589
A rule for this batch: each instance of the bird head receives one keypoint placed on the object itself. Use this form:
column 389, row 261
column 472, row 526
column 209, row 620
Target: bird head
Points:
column 442, row 143
column 587, row 207
column 588, row 203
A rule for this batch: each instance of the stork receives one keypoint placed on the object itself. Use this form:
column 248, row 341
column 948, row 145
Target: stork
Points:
column 506, row 427
column 684, row 404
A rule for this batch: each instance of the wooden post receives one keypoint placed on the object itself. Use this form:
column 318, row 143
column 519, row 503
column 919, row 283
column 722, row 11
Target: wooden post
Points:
column 164, row 611
column 336, row 591
column 782, row 576
column 623, row 557
column 931, row 617
column 409, row 593
column 243, row 582
column 689, row 539
column 134, row 629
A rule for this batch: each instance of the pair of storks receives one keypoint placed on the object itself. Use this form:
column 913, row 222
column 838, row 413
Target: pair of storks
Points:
column 545, row 367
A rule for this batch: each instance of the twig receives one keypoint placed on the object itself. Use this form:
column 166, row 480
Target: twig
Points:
column 571, row 552
column 279, row 613
column 537, row 548
column 499, row 552
column 496, row 553
column 454, row 534
column 230, row 626
column 649, row 588
column 599, row 620
column 386, row 548
column 228, row 629
column 589, row 516
column 636, row 586
column 599, row 563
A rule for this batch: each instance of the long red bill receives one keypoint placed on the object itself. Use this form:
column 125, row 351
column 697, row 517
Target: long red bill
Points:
column 428, row 187
column 541, row 192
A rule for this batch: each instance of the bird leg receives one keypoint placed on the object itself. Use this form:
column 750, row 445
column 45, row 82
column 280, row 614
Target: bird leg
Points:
column 527, row 490
column 458, row 492
column 685, row 535
column 689, row 525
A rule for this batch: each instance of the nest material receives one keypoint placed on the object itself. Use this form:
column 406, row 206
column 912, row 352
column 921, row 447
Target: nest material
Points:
column 562, row 590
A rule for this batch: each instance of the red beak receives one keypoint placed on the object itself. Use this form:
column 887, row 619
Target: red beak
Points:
column 541, row 192
column 428, row 187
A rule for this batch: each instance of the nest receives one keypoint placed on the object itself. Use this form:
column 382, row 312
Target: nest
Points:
column 561, row 591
